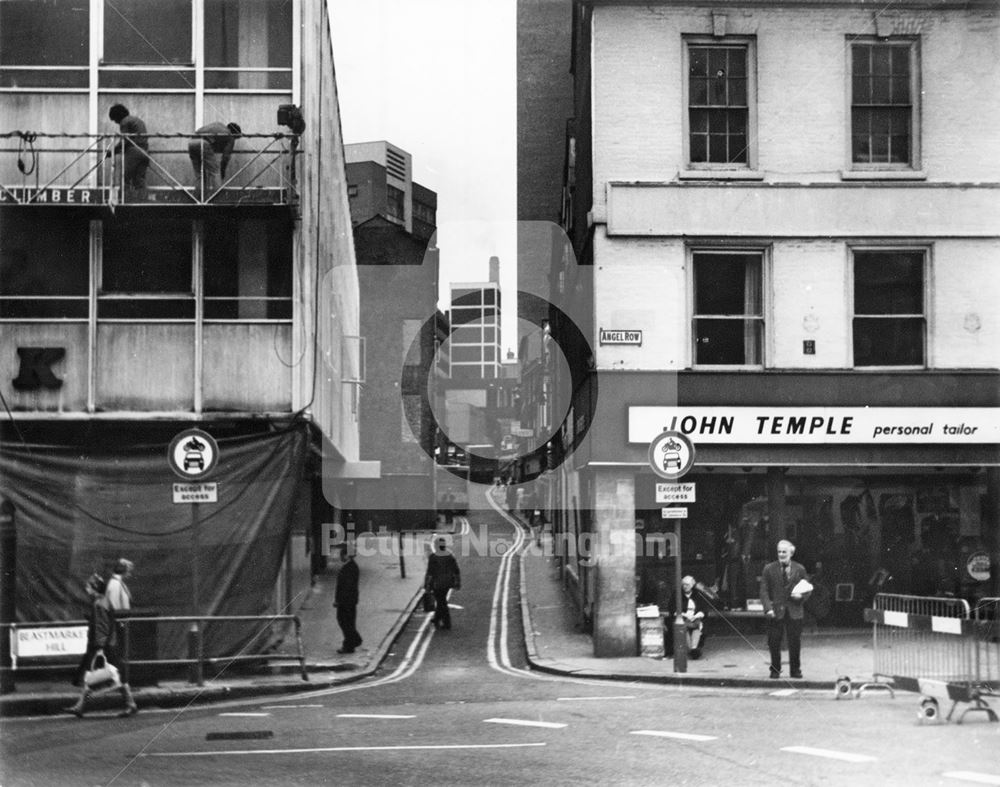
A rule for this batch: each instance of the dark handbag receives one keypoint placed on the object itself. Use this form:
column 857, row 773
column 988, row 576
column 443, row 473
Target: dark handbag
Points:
column 428, row 601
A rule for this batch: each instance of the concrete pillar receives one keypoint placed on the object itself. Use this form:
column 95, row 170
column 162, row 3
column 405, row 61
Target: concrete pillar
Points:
column 614, row 527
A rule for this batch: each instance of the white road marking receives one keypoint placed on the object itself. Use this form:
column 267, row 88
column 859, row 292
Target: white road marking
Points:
column 282, row 707
column 585, row 699
column 972, row 776
column 442, row 747
column 245, row 714
column 783, row 692
column 526, row 723
column 829, row 754
column 373, row 716
column 684, row 736
column 497, row 652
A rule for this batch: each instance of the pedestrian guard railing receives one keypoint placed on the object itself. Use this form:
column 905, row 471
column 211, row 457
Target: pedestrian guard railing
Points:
column 938, row 647
column 58, row 645
column 83, row 170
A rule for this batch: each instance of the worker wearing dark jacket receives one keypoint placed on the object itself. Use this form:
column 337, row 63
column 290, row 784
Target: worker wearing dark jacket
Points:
column 345, row 599
column 210, row 152
column 442, row 576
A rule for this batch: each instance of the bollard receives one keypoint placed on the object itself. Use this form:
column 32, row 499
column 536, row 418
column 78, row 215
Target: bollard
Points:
column 8, row 592
column 402, row 561
column 196, row 673
column 680, row 645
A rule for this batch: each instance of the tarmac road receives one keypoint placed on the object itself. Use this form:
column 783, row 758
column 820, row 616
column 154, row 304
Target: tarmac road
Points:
column 459, row 707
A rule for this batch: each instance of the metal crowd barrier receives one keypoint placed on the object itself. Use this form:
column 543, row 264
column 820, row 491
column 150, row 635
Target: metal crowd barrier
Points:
column 935, row 647
column 68, row 655
column 986, row 613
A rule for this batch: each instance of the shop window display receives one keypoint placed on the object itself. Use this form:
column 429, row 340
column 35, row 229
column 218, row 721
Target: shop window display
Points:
column 856, row 535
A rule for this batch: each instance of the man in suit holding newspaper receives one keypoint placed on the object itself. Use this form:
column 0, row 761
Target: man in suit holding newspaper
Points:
column 783, row 591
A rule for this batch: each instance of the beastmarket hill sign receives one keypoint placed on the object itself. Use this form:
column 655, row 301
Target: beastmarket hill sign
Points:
column 818, row 425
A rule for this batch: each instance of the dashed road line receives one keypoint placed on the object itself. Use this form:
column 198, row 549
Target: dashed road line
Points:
column 846, row 756
column 972, row 776
column 287, row 707
column 258, row 715
column 783, row 692
column 374, row 716
column 683, row 736
column 526, row 723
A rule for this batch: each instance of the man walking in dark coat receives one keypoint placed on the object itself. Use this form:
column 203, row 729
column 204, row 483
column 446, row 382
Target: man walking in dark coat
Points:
column 442, row 575
column 346, row 600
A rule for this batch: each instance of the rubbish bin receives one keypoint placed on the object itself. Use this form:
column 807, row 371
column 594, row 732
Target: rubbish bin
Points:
column 650, row 631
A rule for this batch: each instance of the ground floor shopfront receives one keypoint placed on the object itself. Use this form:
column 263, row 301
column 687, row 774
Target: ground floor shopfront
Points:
column 914, row 510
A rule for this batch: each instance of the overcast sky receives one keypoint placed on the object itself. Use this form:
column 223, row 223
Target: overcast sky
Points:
column 437, row 79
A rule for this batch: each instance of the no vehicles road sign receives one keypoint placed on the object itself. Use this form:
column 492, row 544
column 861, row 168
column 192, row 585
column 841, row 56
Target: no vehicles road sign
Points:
column 193, row 454
column 671, row 455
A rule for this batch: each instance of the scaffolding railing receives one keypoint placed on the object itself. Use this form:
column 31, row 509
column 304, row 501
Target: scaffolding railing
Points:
column 87, row 170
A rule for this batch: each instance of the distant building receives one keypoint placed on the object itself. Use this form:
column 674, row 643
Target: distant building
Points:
column 475, row 330
column 381, row 184
column 394, row 219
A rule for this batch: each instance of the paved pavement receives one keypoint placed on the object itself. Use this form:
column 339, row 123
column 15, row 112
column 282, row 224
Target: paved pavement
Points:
column 555, row 643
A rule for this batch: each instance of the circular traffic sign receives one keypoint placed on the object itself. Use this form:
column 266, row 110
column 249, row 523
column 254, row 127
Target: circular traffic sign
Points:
column 671, row 455
column 193, row 454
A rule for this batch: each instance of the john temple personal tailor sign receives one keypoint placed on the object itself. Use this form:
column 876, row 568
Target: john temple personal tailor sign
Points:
column 818, row 425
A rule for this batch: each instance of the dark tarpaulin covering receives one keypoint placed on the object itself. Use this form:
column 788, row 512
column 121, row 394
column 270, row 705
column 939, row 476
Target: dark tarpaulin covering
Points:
column 81, row 508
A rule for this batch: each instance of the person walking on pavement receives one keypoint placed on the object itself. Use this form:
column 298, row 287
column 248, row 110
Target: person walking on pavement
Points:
column 210, row 152
column 119, row 596
column 94, row 587
column 102, row 640
column 442, row 576
column 345, row 599
column 783, row 607
column 134, row 147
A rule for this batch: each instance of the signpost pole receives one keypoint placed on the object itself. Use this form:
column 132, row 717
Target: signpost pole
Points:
column 194, row 636
column 680, row 629
column 671, row 455
column 193, row 455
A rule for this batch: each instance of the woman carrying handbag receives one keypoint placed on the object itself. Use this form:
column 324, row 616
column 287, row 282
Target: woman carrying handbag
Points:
column 102, row 643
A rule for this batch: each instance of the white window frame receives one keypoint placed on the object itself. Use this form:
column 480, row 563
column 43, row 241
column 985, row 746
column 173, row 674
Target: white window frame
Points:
column 704, row 169
column 764, row 254
column 925, row 250
column 913, row 166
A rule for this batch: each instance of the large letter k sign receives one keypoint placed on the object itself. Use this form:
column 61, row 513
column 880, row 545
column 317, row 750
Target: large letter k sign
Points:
column 36, row 371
